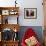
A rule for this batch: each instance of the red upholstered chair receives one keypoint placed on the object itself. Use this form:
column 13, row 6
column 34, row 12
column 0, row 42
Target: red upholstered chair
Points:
column 29, row 33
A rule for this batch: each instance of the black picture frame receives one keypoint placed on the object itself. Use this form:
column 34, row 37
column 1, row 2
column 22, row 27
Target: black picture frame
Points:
column 30, row 13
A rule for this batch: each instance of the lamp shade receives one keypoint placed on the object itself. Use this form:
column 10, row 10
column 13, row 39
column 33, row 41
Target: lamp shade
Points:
column 15, row 30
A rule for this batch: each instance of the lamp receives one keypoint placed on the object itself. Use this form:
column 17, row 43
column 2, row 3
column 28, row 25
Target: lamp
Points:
column 15, row 35
column 15, row 3
column 15, row 30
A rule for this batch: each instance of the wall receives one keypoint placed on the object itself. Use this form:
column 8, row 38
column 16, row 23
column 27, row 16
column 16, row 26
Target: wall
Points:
column 32, row 4
column 27, row 4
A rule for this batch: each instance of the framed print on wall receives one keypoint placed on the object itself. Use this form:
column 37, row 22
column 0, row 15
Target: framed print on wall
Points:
column 5, row 12
column 30, row 13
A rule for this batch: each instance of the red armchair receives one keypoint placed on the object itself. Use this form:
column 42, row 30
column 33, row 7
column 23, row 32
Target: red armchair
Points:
column 29, row 36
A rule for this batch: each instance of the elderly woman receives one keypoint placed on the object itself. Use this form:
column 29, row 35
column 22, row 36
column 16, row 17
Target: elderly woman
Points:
column 30, row 38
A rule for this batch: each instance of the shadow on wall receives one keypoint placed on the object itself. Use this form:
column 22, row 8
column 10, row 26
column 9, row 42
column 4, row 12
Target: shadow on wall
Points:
column 37, row 29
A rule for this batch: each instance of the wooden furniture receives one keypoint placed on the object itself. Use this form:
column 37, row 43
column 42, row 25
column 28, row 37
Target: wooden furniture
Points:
column 10, row 43
column 11, row 26
column 44, row 37
column 0, row 43
column 44, row 7
column 5, row 13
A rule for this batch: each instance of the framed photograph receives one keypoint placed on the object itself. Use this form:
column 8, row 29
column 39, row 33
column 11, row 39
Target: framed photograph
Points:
column 13, row 12
column 0, row 19
column 5, row 12
column 13, row 20
column 5, row 20
column 0, row 36
column 30, row 13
